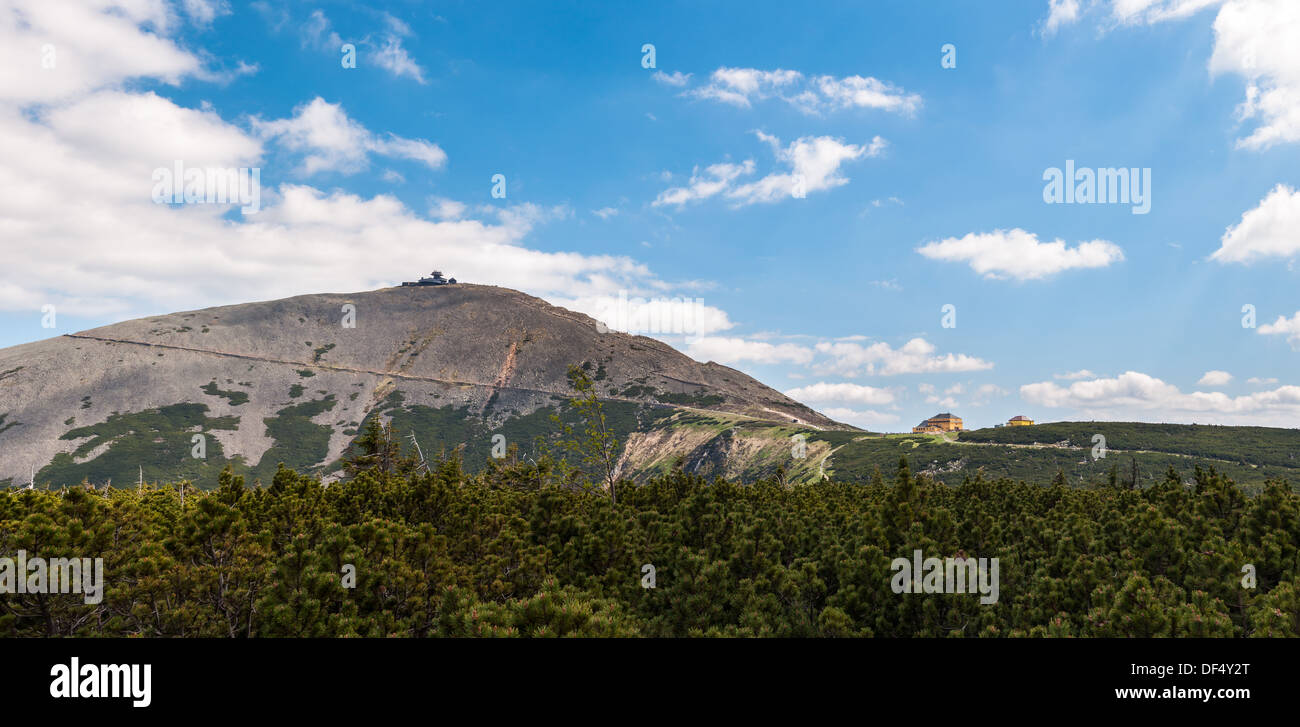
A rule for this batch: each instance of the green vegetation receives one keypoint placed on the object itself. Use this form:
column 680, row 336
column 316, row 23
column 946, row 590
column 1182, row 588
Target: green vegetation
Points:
column 448, row 429
column 697, row 399
column 159, row 440
column 305, row 373
column 295, row 391
column 594, row 445
column 515, row 551
column 235, row 397
column 1009, row 452
column 1242, row 445
column 321, row 351
column 299, row 442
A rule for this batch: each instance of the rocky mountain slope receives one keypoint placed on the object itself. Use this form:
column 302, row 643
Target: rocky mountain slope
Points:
column 293, row 380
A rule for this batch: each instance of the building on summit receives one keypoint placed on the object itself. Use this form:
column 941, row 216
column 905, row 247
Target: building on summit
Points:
column 1019, row 421
column 939, row 423
column 435, row 279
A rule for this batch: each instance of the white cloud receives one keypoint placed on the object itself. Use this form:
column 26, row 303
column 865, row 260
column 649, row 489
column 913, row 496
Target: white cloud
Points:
column 842, row 392
column 528, row 215
column 1215, row 378
column 986, row 392
column 1019, row 254
column 334, row 142
column 917, row 356
column 642, row 313
column 1134, row 395
column 1075, row 375
column 676, row 78
column 1258, row 40
column 139, row 132
column 317, row 33
column 865, row 92
column 1123, row 12
column 1060, row 12
column 392, row 57
column 385, row 51
column 845, row 358
column 203, row 12
column 441, row 208
column 812, row 163
column 736, row 350
column 1257, row 381
column 715, row 178
column 1268, row 230
column 1283, row 326
column 1131, row 12
column 81, row 206
column 397, row 26
column 95, row 44
column 429, row 154
column 737, row 86
column 605, row 213
column 866, row 419
column 81, row 232
column 743, row 86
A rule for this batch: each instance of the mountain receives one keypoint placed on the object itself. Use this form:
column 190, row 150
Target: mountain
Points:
column 293, row 381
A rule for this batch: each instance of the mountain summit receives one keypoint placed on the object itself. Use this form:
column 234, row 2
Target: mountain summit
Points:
column 293, row 381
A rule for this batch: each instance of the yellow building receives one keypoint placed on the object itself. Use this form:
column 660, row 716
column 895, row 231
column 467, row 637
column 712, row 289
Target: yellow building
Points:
column 1019, row 421
column 939, row 423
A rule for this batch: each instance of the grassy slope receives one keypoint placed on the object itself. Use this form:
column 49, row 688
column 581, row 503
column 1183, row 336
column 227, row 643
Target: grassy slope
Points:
column 444, row 429
column 1243, row 445
column 1249, row 455
column 159, row 440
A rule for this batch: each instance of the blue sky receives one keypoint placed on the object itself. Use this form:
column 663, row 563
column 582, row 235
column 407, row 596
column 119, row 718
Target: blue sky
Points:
column 814, row 176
